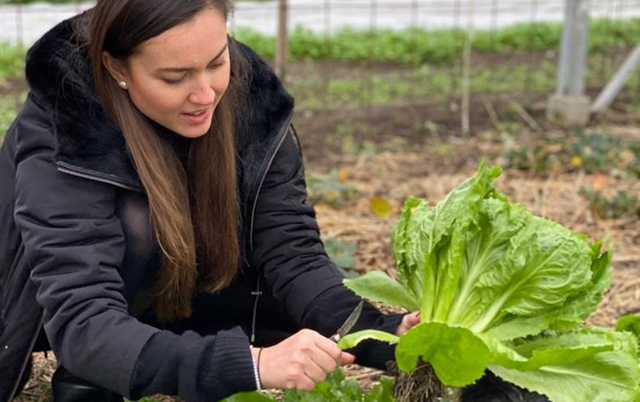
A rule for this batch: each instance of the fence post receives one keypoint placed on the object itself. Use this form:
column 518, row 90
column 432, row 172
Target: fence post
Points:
column 466, row 71
column 569, row 105
column 282, row 42
column 614, row 87
column 19, row 26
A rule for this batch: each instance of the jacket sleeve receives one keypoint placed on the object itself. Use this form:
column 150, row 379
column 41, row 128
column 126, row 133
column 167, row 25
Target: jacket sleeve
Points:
column 290, row 255
column 74, row 245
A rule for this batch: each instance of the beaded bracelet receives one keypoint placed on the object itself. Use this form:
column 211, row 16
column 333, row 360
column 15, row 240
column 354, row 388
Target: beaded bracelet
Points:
column 256, row 373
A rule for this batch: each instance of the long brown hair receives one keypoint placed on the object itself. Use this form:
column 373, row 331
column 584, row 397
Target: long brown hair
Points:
column 195, row 213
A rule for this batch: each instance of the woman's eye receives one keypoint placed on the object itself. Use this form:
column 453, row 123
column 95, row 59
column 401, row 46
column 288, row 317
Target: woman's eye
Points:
column 214, row 66
column 173, row 81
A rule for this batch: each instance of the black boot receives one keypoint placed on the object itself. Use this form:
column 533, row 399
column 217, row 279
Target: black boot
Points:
column 67, row 388
column 492, row 388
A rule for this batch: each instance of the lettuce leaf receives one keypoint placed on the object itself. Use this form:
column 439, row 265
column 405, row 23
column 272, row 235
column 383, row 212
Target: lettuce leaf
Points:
column 458, row 356
column 586, row 365
column 629, row 323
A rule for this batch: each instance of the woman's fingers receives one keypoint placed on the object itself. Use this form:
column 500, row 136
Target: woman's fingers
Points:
column 408, row 321
column 346, row 358
column 338, row 356
column 303, row 383
column 326, row 361
column 315, row 371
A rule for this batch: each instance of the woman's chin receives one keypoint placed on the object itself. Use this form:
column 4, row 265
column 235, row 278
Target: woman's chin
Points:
column 193, row 132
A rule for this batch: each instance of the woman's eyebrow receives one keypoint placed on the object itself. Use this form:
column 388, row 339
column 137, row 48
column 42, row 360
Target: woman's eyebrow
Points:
column 183, row 69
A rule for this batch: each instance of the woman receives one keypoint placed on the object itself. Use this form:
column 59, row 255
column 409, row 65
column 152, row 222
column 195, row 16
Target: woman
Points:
column 155, row 221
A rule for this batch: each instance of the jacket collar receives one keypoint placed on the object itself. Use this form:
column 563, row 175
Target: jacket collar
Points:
column 60, row 79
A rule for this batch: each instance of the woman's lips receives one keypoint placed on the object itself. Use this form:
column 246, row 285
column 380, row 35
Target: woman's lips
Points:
column 197, row 118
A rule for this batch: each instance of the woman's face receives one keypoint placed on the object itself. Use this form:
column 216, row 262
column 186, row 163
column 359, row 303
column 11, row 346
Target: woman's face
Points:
column 178, row 77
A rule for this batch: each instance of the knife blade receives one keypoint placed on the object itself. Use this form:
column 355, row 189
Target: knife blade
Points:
column 349, row 323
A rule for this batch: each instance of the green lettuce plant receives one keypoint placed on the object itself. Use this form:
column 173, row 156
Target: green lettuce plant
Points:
column 334, row 389
column 499, row 288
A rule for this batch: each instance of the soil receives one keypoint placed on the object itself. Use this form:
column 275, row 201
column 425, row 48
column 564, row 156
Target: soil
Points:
column 417, row 149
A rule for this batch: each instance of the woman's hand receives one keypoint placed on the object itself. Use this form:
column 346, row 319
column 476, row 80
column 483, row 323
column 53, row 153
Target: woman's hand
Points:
column 300, row 361
column 408, row 321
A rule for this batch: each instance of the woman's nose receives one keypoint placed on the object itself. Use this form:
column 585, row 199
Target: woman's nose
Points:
column 203, row 93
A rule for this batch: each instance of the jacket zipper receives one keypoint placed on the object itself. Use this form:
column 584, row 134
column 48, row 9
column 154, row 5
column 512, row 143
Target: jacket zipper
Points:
column 32, row 343
column 281, row 137
column 79, row 172
column 257, row 292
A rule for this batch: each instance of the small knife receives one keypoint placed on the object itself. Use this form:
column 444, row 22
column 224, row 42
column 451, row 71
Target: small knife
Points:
column 349, row 323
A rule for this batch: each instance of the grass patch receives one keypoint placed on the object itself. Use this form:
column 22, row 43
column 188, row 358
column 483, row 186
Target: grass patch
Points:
column 425, row 82
column 11, row 60
column 8, row 112
column 416, row 46
column 436, row 82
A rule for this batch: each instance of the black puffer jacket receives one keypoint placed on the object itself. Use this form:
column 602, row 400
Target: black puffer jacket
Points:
column 74, row 222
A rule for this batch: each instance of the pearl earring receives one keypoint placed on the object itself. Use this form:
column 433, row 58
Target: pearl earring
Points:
column 123, row 84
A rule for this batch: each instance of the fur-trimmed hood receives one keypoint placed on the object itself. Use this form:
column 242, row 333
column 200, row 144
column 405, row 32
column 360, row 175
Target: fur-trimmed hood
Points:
column 59, row 74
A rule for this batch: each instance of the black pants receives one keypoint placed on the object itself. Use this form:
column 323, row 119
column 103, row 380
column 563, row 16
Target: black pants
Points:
column 67, row 388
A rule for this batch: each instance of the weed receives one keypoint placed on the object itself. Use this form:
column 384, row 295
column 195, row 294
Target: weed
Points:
column 343, row 254
column 621, row 204
column 590, row 152
column 329, row 190
column 349, row 129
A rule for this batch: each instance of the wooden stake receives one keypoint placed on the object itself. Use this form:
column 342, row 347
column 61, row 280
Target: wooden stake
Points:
column 282, row 44
column 495, row 120
column 531, row 122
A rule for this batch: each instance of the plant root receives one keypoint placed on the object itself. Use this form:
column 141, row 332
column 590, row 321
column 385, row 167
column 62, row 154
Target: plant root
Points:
column 421, row 385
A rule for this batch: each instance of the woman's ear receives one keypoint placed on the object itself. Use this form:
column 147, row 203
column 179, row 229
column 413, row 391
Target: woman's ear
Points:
column 115, row 68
